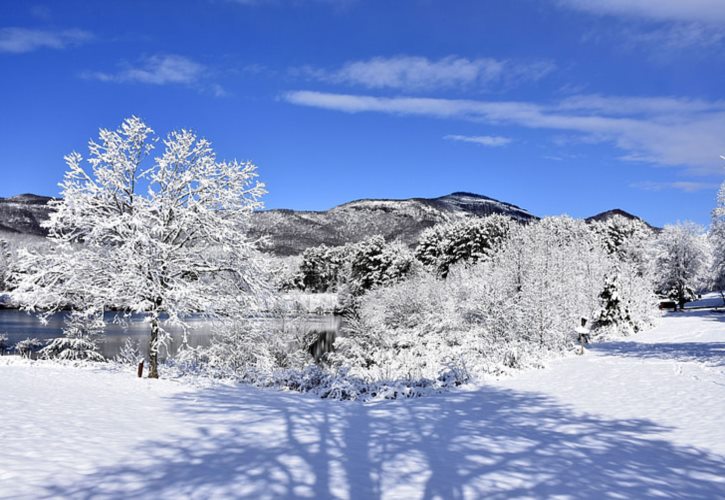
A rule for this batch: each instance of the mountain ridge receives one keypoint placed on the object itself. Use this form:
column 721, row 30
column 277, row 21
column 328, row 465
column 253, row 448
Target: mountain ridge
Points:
column 290, row 232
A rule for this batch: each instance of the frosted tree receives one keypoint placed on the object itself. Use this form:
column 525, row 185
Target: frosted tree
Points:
column 717, row 242
column 469, row 240
column 4, row 264
column 630, row 240
column 682, row 261
column 162, row 237
column 80, row 339
column 614, row 311
column 373, row 263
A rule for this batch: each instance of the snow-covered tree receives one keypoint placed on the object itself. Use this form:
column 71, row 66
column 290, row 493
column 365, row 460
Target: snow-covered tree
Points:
column 163, row 237
column 682, row 261
column 355, row 267
column 469, row 240
column 4, row 263
column 717, row 243
column 320, row 268
column 372, row 263
column 614, row 311
column 80, row 339
column 629, row 240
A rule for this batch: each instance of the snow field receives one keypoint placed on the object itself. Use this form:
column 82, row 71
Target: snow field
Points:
column 633, row 418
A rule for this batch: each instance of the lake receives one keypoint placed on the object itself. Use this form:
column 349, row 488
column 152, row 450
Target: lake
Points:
column 19, row 325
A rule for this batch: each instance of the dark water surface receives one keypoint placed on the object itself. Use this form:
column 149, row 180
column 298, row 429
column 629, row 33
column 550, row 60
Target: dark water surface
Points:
column 19, row 325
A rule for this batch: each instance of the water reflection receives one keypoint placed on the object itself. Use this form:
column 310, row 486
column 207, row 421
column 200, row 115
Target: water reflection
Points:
column 19, row 325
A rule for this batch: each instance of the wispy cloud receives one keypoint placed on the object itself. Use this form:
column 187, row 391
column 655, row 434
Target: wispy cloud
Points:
column 413, row 73
column 678, row 36
column 156, row 70
column 492, row 141
column 659, row 130
column 662, row 26
column 162, row 69
column 686, row 186
column 22, row 40
column 705, row 11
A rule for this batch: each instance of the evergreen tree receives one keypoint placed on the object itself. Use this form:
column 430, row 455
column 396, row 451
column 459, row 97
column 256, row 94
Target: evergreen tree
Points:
column 80, row 339
column 469, row 240
column 614, row 311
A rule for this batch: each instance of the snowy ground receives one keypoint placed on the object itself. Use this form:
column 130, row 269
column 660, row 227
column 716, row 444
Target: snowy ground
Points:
column 629, row 419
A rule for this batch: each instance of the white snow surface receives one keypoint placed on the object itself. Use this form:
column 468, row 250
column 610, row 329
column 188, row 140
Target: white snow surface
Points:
column 632, row 418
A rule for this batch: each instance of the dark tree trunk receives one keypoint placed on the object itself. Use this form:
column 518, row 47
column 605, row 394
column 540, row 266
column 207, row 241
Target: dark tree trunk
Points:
column 154, row 347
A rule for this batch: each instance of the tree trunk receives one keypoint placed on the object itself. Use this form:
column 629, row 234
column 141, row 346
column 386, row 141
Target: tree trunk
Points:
column 154, row 347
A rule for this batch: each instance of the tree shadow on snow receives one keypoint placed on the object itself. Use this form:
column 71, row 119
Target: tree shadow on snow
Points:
column 710, row 353
column 494, row 443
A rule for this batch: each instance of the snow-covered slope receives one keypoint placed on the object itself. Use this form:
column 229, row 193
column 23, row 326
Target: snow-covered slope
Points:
column 403, row 220
column 636, row 418
column 605, row 216
column 23, row 213
column 291, row 231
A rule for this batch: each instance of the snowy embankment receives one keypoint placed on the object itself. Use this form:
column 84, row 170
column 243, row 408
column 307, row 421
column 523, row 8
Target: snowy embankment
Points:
column 635, row 418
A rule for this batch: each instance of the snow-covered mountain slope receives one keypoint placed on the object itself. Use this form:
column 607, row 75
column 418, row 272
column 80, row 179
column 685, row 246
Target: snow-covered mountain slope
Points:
column 291, row 231
column 605, row 216
column 23, row 213
column 635, row 418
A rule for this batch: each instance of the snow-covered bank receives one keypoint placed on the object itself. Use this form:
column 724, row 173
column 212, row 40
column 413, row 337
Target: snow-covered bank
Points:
column 633, row 419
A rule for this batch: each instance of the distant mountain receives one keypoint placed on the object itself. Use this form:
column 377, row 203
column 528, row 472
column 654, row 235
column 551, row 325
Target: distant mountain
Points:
column 291, row 231
column 605, row 216
column 24, row 213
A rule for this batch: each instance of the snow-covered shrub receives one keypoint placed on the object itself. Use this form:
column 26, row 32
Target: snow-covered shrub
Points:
column 80, row 339
column 130, row 353
column 28, row 346
column 253, row 351
column 468, row 240
column 296, row 302
column 683, row 258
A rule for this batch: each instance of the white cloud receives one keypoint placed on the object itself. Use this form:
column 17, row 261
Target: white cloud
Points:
column 704, row 11
column 156, row 70
column 686, row 186
column 22, row 40
column 676, row 36
column 420, row 73
column 659, row 130
column 484, row 140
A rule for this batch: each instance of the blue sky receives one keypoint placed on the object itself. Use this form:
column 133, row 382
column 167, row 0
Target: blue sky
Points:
column 559, row 106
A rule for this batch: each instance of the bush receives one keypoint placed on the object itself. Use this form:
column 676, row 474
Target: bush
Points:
column 28, row 346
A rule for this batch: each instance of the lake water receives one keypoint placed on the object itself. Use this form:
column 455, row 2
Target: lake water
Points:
column 19, row 325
